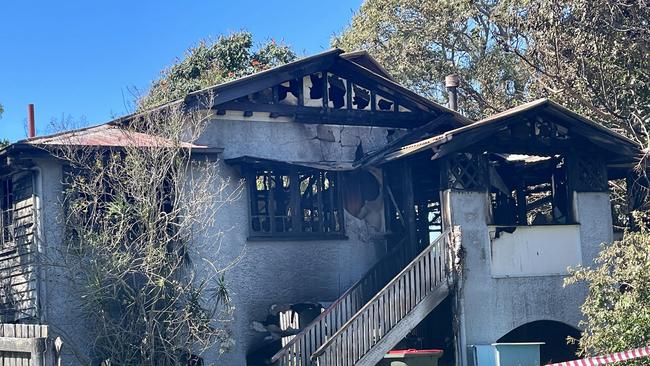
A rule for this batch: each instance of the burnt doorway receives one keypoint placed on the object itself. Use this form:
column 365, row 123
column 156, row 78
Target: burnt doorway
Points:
column 413, row 205
column 427, row 203
column 555, row 335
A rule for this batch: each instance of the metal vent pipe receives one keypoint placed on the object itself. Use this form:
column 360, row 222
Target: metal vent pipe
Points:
column 452, row 82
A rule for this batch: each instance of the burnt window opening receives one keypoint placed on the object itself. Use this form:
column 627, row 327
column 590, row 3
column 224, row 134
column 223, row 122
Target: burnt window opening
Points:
column 336, row 91
column 17, row 221
column 529, row 190
column 7, row 212
column 288, row 92
column 316, row 88
column 85, row 202
column 384, row 104
column 361, row 97
column 618, row 194
column 426, row 196
column 428, row 220
column 288, row 202
column 17, row 207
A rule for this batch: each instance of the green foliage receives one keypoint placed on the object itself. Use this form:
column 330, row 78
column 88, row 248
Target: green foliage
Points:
column 211, row 63
column 592, row 55
column 617, row 309
column 4, row 143
column 420, row 42
column 139, row 222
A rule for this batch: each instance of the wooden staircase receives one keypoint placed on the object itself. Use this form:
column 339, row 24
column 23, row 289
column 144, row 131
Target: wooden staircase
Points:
column 377, row 312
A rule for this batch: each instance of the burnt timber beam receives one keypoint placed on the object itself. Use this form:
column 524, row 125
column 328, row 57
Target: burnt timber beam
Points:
column 317, row 115
column 385, row 88
column 598, row 137
column 265, row 79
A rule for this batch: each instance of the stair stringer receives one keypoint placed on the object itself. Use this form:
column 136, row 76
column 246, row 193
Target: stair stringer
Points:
column 404, row 326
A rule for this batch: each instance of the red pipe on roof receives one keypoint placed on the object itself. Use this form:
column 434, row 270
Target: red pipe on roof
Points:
column 31, row 128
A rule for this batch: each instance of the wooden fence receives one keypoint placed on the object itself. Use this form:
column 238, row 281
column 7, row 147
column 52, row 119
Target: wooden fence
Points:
column 28, row 345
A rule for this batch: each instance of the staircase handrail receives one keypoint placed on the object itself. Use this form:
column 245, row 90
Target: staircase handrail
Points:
column 444, row 237
column 389, row 256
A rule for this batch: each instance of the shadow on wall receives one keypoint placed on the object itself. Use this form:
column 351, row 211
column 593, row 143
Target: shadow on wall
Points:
column 553, row 334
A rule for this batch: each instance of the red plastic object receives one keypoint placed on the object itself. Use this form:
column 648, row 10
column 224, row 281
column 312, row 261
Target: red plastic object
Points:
column 420, row 352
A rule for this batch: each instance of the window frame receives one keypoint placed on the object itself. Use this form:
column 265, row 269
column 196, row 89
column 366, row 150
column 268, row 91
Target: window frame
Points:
column 252, row 172
column 559, row 191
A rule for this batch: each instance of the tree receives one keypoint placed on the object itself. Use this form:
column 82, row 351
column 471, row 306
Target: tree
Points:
column 211, row 63
column 3, row 142
column 134, row 220
column 590, row 55
column 135, row 217
column 420, row 42
column 617, row 308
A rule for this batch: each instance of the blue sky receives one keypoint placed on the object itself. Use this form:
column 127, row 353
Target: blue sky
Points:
column 79, row 59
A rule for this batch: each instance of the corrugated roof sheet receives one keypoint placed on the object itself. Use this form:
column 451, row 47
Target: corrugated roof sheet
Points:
column 107, row 135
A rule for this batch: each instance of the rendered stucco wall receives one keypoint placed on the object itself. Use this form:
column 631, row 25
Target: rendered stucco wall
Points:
column 288, row 141
column 534, row 250
column 494, row 306
column 59, row 305
column 279, row 272
column 263, row 272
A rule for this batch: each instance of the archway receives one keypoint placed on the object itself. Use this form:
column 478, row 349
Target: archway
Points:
column 553, row 334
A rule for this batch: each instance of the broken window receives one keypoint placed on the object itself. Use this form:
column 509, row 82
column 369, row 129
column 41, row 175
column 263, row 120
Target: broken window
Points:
column 384, row 104
column 288, row 92
column 529, row 190
column 295, row 202
column 313, row 90
column 337, row 92
column 360, row 97
column 17, row 282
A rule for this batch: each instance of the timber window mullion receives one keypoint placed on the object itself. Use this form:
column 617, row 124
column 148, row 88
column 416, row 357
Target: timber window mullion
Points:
column 331, row 222
column 320, row 187
column 296, row 211
column 252, row 197
column 325, row 90
column 270, row 208
column 279, row 206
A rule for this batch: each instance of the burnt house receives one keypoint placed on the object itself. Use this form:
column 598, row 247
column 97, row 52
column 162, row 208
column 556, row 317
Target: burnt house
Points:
column 373, row 218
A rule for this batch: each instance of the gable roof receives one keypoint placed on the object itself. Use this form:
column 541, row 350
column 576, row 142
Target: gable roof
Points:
column 620, row 147
column 355, row 65
column 363, row 58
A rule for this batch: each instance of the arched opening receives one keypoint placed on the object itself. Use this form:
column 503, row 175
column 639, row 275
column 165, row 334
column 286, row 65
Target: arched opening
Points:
column 553, row 334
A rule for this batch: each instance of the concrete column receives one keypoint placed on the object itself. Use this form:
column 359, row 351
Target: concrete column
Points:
column 593, row 210
column 487, row 307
